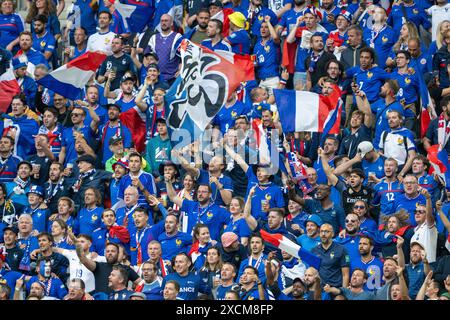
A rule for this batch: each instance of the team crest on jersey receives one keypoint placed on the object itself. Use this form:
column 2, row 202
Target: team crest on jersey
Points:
column 268, row 197
column 423, row 61
column 332, row 254
column 209, row 214
column 233, row 114
column 124, row 61
column 178, row 242
column 407, row 80
column 384, row 39
column 369, row 74
column 400, row 140
column 43, row 43
column 267, row 48
column 251, row 298
column 415, row 11
column 260, row 18
column 94, row 218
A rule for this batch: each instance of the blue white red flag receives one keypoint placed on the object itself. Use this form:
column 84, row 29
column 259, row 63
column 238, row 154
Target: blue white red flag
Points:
column 9, row 87
column 70, row 79
column 135, row 14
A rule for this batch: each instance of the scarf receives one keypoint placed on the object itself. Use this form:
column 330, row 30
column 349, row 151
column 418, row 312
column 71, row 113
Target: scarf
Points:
column 21, row 185
column 82, row 176
column 314, row 59
column 443, row 131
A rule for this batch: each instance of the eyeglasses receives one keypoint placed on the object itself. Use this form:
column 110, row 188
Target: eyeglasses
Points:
column 359, row 207
column 420, row 211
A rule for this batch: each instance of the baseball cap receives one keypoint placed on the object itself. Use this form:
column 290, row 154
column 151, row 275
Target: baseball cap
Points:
column 152, row 66
column 364, row 148
column 36, row 190
column 114, row 139
column 13, row 229
column 149, row 52
column 216, row 3
column 314, row 218
column 86, row 158
column 418, row 243
column 228, row 238
column 126, row 78
column 346, row 15
column 121, row 162
column 115, row 105
column 138, row 295
column 19, row 63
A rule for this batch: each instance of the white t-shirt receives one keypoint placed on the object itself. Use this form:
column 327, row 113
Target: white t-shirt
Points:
column 438, row 14
column 79, row 271
column 394, row 145
column 101, row 42
column 427, row 237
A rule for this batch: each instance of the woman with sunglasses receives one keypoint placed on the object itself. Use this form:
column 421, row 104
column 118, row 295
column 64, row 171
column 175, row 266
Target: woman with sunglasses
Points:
column 361, row 208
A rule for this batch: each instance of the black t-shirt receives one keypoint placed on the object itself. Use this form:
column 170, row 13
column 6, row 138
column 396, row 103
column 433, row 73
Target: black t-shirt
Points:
column 121, row 64
column 13, row 258
column 44, row 162
column 102, row 272
column 320, row 70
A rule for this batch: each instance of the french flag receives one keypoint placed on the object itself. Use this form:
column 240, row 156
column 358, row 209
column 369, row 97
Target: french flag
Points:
column 261, row 140
column 298, row 168
column 309, row 111
column 438, row 157
column 283, row 243
column 9, row 87
column 70, row 79
column 135, row 14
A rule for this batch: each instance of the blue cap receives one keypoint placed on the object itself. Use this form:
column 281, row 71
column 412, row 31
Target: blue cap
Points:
column 37, row 190
column 315, row 219
column 17, row 63
column 346, row 14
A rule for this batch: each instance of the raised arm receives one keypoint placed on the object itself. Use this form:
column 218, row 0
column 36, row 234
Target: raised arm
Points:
column 171, row 191
column 423, row 288
column 400, row 254
column 273, row 33
column 88, row 263
column 363, row 105
column 185, row 164
column 293, row 195
column 402, row 282
column 142, row 105
column 251, row 221
column 343, row 167
column 236, row 157
column 332, row 178
column 429, row 206
column 442, row 215
column 291, row 38
column 107, row 92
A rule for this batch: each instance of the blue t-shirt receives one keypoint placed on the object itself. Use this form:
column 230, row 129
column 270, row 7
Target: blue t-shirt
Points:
column 327, row 25
column 308, row 243
column 226, row 182
column 369, row 81
column 240, row 42
column 381, row 42
column 409, row 87
column 221, row 45
column 40, row 218
column 409, row 204
column 333, row 260
column 268, row 59
column 68, row 141
column 239, row 227
column 43, row 44
column 381, row 110
column 414, row 13
column 190, row 285
column 88, row 220
column 172, row 245
column 226, row 117
column 385, row 194
column 52, row 287
column 334, row 215
column 11, row 25
column 147, row 181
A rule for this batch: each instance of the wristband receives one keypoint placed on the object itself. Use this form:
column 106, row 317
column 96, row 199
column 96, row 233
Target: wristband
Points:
column 283, row 82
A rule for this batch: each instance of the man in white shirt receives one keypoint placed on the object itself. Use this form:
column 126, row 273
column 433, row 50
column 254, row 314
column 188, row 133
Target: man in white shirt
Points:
column 102, row 40
column 77, row 269
column 426, row 232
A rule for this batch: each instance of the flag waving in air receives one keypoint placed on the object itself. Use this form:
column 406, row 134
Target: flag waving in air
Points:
column 206, row 81
column 70, row 79
column 308, row 111
column 135, row 14
column 9, row 87
column 283, row 243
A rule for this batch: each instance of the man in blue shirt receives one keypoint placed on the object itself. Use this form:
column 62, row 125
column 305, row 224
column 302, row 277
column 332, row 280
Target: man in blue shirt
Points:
column 239, row 39
column 408, row 10
column 8, row 161
column 118, row 282
column 311, row 238
column 190, row 283
column 201, row 211
column 420, row 166
column 289, row 18
column 335, row 264
column 215, row 40
column 43, row 40
column 227, row 115
column 250, row 285
column 330, row 148
column 330, row 13
column 256, row 15
column 173, row 241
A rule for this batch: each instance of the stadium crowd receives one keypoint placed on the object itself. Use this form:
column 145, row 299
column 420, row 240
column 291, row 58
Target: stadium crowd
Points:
column 89, row 210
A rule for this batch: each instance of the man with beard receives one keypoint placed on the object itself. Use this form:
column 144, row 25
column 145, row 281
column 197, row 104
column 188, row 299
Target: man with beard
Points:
column 33, row 56
column 102, row 40
column 380, row 37
column 125, row 215
column 389, row 275
column 369, row 263
column 311, row 238
column 313, row 288
column 416, row 269
column 43, row 41
column 350, row 55
column 330, row 13
column 109, row 231
column 356, row 290
column 334, row 268
column 165, row 44
column 349, row 237
column 41, row 160
column 113, row 129
column 102, row 270
column 56, row 187
column 316, row 62
column 93, row 106
column 151, row 286
column 199, row 32
column 189, row 282
column 355, row 190
column 289, row 18
column 251, row 286
column 358, row 131
column 226, row 282
column 214, row 40
column 437, row 127
column 173, row 241
column 8, row 161
column 52, row 129
column 257, row 258
column 420, row 167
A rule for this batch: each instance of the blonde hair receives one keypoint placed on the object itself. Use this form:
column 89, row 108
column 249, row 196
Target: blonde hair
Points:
column 412, row 33
column 440, row 35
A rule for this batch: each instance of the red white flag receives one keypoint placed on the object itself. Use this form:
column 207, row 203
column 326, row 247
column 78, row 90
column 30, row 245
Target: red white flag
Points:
column 9, row 87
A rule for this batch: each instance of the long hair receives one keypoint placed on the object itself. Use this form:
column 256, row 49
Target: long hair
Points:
column 440, row 35
column 412, row 33
column 33, row 11
column 207, row 266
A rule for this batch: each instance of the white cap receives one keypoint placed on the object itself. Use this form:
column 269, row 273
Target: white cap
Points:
column 364, row 148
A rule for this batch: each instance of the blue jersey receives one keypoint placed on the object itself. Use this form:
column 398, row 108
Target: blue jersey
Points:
column 240, row 42
column 334, row 215
column 68, row 142
column 328, row 25
column 226, row 117
column 190, row 285
column 40, row 218
column 239, row 227
column 123, row 294
column 268, row 59
column 258, row 19
column 53, row 287
column 409, row 87
column 216, row 198
column 214, row 216
column 258, row 264
column 11, row 25
column 100, row 237
column 381, row 42
column 289, row 19
column 408, row 204
column 362, row 20
column 117, row 26
column 321, row 176
column 423, row 63
column 78, row 53
column 428, row 182
column 370, row 81
column 221, row 45
column 88, row 220
column 439, row 224
column 43, row 44
column 86, row 16
column 8, row 168
column 10, row 278
column 414, row 14
column 351, row 244
column 308, row 243
column 102, row 114
column 373, row 269
column 385, row 194
column 269, row 192
column 376, row 167
column 147, row 181
column 221, row 291
column 172, row 245
column 141, row 239
column 35, row 57
column 381, row 110
column 128, row 212
column 106, row 132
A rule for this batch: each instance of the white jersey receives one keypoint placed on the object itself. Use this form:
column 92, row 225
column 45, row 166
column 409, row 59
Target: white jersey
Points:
column 79, row 271
column 438, row 14
column 427, row 237
column 101, row 42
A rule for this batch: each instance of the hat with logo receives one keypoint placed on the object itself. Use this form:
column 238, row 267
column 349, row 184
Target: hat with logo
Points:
column 36, row 190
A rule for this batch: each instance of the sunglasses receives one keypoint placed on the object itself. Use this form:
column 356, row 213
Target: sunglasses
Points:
column 359, row 207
